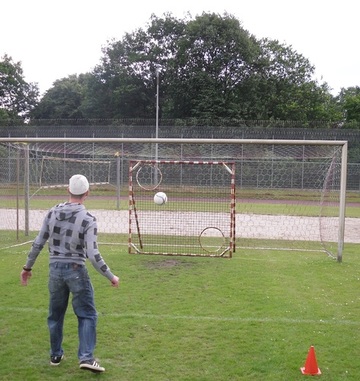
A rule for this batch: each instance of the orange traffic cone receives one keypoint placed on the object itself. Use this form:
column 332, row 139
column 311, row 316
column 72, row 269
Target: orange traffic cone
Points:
column 311, row 366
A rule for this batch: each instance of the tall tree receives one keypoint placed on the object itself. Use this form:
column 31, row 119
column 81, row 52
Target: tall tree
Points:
column 201, row 62
column 124, row 83
column 64, row 100
column 349, row 99
column 17, row 97
column 214, row 57
column 209, row 67
column 282, row 87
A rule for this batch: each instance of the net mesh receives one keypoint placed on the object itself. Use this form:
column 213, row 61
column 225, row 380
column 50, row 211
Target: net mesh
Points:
column 198, row 216
column 287, row 195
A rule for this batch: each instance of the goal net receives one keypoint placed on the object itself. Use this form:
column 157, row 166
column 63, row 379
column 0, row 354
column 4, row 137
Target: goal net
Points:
column 199, row 217
column 56, row 170
column 289, row 194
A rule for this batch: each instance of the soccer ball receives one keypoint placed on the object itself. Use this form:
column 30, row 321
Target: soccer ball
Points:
column 160, row 198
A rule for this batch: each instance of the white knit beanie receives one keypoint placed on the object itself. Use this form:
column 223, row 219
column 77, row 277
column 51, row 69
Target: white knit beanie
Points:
column 78, row 184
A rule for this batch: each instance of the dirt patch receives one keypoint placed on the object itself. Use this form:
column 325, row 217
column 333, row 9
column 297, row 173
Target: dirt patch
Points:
column 167, row 263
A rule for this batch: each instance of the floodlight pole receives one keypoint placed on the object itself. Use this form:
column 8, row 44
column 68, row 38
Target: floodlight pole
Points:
column 157, row 121
column 157, row 111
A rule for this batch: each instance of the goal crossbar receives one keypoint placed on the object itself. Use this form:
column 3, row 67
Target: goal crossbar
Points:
column 24, row 140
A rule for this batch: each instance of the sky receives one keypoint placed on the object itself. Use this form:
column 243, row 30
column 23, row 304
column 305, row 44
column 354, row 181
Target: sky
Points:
column 54, row 39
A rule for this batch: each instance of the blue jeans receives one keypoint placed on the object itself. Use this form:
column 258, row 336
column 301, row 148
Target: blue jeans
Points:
column 66, row 278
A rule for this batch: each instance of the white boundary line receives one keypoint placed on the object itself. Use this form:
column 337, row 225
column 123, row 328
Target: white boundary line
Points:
column 199, row 318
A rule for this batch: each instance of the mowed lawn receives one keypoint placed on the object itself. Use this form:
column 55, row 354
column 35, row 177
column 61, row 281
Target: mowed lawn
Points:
column 252, row 317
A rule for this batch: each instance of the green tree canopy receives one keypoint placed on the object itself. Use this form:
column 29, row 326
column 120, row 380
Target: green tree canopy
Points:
column 208, row 67
column 282, row 87
column 64, row 100
column 17, row 97
column 350, row 100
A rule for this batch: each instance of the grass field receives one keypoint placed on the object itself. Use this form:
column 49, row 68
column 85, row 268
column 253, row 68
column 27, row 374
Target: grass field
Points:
column 252, row 317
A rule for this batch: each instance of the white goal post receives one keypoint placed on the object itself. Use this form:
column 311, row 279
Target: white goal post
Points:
column 290, row 194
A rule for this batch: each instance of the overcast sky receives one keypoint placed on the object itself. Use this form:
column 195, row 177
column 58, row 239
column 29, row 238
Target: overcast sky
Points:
column 54, row 39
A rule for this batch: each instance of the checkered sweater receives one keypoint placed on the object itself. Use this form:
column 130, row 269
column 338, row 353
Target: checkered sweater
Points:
column 71, row 232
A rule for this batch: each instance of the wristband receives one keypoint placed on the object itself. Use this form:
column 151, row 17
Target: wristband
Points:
column 26, row 269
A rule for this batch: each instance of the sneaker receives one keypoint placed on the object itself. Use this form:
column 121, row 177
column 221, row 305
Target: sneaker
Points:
column 56, row 360
column 91, row 365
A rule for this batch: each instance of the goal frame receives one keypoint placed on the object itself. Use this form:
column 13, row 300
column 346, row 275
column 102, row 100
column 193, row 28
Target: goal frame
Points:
column 185, row 141
column 228, row 166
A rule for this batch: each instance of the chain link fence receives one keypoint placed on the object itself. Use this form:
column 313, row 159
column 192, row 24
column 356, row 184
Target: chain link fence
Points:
column 219, row 129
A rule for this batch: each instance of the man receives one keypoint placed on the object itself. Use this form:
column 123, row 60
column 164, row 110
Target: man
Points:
column 71, row 232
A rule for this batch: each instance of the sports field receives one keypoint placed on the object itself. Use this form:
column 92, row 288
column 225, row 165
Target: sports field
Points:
column 252, row 317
